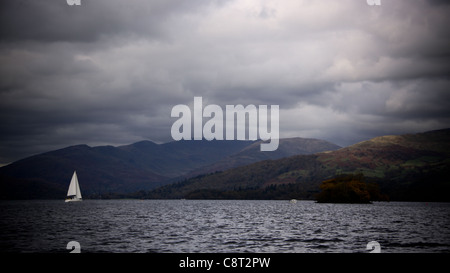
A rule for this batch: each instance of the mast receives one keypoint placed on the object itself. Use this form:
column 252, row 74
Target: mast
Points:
column 78, row 188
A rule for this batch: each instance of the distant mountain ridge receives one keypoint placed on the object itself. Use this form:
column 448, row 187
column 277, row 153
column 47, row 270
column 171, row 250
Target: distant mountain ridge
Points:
column 411, row 167
column 139, row 166
column 251, row 153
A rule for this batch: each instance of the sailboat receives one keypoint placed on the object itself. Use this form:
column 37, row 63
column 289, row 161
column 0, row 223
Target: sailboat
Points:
column 74, row 193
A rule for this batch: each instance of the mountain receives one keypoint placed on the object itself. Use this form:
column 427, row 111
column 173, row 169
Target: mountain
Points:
column 139, row 166
column 251, row 153
column 406, row 167
column 99, row 169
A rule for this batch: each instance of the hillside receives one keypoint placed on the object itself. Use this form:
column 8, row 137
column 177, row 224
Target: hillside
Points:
column 251, row 154
column 406, row 167
column 139, row 166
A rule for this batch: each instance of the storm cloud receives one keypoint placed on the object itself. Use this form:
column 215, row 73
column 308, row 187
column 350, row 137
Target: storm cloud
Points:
column 110, row 71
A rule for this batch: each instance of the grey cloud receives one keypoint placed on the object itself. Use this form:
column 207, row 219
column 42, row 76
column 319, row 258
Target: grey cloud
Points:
column 54, row 20
column 109, row 71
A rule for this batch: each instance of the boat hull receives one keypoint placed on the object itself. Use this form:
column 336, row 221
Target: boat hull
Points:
column 73, row 200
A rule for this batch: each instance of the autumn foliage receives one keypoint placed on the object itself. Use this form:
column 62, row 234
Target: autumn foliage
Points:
column 349, row 188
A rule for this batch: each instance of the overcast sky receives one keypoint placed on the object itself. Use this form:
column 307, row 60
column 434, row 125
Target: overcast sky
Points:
column 108, row 72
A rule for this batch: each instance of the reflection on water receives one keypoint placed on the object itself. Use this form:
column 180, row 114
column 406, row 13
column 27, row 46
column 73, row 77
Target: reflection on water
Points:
column 222, row 226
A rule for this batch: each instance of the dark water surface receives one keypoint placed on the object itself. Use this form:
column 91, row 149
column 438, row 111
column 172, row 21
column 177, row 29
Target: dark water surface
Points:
column 222, row 226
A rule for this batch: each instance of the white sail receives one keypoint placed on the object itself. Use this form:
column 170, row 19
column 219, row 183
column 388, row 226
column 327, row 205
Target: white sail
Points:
column 78, row 188
column 74, row 193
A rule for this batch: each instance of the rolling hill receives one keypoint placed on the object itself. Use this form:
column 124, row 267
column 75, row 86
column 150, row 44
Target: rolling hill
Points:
column 412, row 167
column 139, row 166
column 251, row 153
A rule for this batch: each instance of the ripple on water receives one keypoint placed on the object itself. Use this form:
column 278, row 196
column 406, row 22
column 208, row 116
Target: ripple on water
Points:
column 222, row 226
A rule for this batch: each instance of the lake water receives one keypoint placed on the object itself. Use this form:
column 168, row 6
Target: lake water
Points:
column 187, row 226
